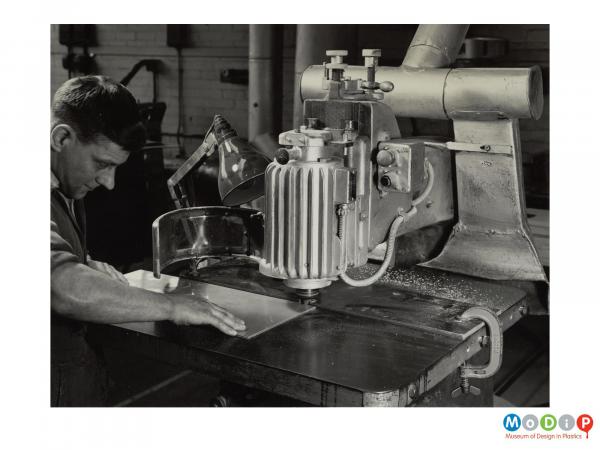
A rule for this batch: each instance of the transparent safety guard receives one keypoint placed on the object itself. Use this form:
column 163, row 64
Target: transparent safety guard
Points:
column 205, row 232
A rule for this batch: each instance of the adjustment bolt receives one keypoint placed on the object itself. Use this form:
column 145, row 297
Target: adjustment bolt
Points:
column 371, row 56
column 371, row 52
column 337, row 56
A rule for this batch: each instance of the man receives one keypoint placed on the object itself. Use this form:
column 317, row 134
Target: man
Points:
column 95, row 125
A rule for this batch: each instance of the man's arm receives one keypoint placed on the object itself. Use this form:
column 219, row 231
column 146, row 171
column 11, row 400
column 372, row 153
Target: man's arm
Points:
column 107, row 269
column 82, row 293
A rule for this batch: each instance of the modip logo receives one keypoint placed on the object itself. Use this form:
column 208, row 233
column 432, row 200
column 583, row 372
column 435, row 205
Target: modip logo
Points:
column 547, row 427
column 585, row 423
column 512, row 422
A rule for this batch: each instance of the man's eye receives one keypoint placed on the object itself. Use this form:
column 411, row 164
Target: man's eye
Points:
column 102, row 165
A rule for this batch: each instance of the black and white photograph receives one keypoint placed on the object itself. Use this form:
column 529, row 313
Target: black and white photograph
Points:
column 300, row 215
column 299, row 225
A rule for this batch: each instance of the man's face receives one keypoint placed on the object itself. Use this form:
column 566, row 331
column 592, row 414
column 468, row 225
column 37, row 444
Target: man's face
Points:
column 82, row 167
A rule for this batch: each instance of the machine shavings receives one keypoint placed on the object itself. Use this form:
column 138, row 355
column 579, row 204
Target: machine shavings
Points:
column 441, row 284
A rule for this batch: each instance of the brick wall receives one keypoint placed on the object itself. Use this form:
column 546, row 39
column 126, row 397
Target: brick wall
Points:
column 218, row 47
column 214, row 48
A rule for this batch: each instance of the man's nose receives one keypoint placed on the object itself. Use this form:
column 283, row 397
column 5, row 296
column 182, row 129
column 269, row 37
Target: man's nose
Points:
column 107, row 178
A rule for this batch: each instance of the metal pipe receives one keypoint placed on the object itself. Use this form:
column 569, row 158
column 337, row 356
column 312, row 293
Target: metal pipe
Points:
column 307, row 53
column 423, row 89
column 435, row 46
column 448, row 93
column 516, row 93
column 260, row 81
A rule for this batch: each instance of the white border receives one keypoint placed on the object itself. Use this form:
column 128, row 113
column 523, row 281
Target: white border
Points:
column 30, row 423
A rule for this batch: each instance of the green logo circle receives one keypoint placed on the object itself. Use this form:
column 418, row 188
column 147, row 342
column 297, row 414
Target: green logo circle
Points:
column 548, row 422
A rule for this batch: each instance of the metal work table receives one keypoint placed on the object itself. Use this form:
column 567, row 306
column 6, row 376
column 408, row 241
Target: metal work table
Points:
column 396, row 343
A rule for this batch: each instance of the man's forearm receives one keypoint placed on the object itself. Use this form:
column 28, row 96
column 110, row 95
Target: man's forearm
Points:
column 82, row 293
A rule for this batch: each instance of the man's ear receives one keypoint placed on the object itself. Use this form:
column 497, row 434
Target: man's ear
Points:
column 61, row 136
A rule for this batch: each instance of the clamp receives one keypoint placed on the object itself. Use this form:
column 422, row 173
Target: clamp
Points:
column 337, row 65
column 494, row 340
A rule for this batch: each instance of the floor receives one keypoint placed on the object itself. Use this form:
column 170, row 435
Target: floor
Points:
column 524, row 378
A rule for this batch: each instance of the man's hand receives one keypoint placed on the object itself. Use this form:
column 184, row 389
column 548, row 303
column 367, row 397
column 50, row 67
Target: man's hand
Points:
column 192, row 311
column 108, row 270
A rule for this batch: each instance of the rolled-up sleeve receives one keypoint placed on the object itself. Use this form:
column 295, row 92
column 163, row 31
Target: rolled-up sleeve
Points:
column 61, row 251
column 67, row 272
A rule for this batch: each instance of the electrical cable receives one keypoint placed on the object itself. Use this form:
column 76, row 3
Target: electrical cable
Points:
column 430, row 180
column 389, row 252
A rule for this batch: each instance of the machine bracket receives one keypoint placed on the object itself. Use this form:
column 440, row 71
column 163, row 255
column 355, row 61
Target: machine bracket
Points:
column 494, row 341
column 473, row 147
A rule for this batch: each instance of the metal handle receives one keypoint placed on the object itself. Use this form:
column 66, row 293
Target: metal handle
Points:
column 495, row 334
column 384, row 86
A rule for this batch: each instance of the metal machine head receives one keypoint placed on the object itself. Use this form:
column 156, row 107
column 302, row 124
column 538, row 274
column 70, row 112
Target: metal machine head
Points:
column 347, row 181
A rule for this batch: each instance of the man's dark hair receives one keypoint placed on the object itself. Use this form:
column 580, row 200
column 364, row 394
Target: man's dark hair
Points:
column 96, row 106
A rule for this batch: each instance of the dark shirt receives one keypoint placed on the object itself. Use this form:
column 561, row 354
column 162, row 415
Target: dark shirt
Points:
column 78, row 374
